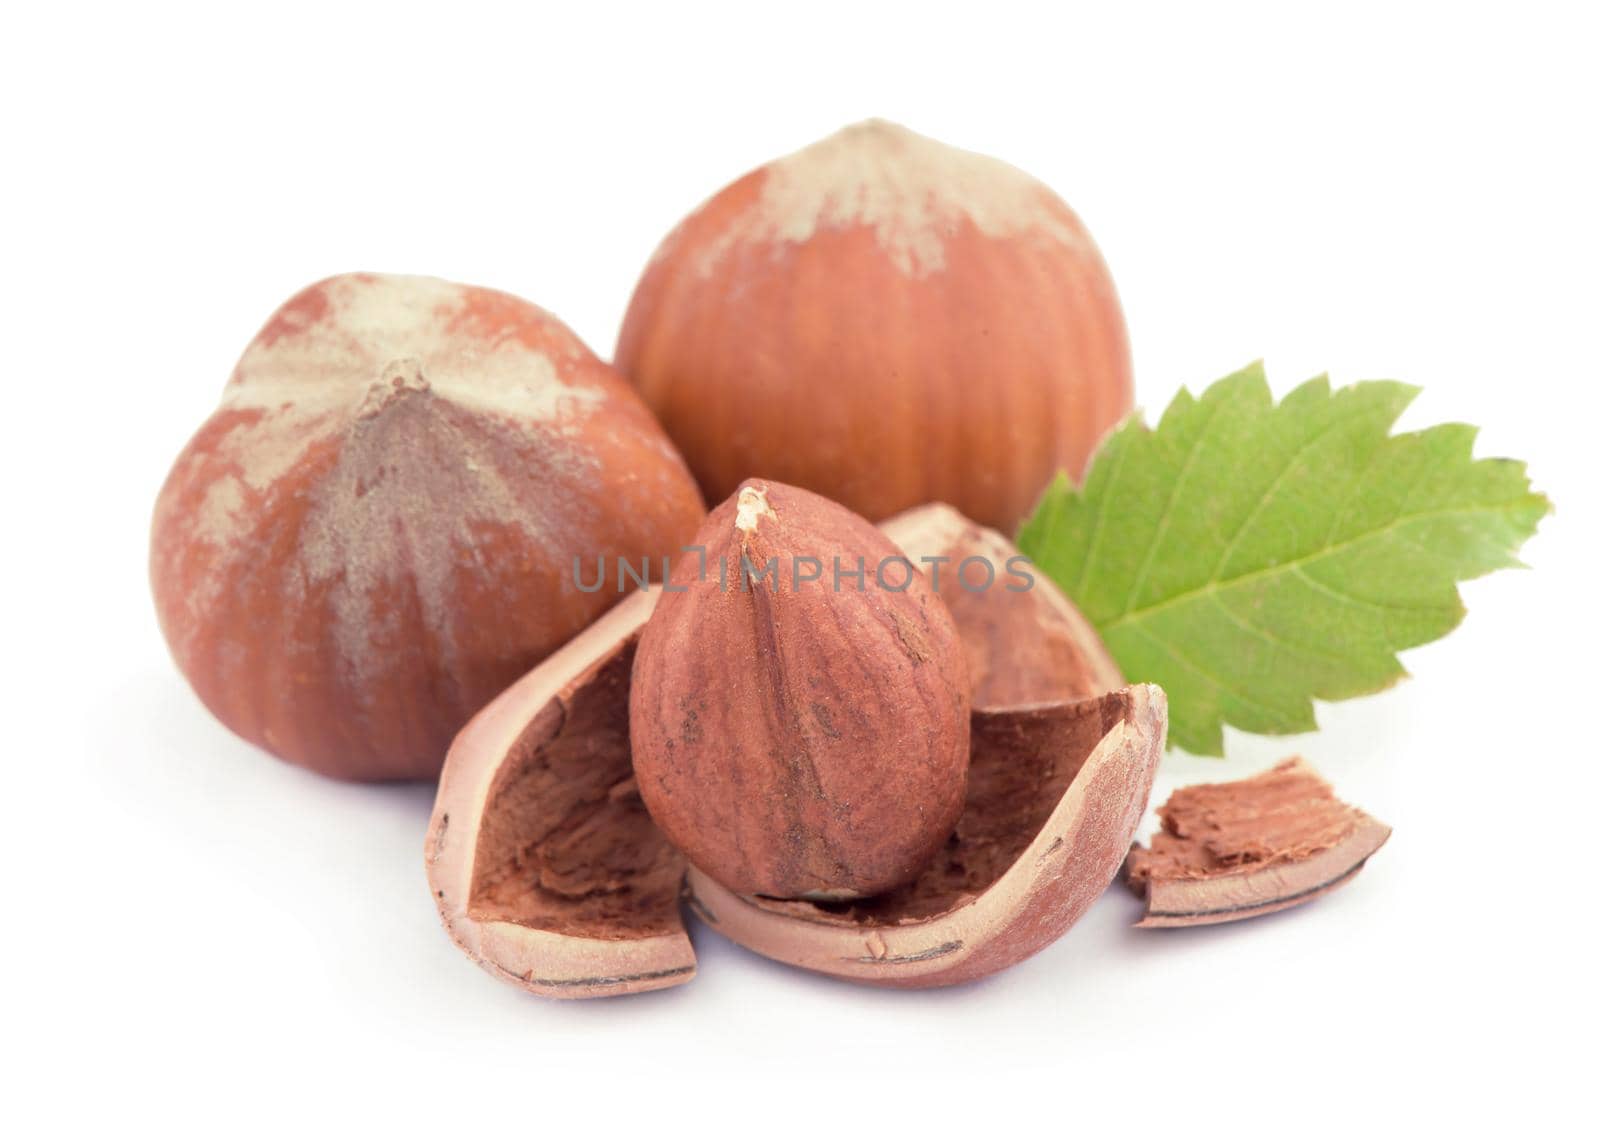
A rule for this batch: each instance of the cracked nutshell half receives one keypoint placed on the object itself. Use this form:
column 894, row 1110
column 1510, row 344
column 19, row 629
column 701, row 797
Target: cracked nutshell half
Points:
column 550, row 872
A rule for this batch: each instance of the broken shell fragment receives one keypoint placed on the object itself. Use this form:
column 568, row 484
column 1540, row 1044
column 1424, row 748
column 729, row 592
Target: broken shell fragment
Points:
column 1025, row 642
column 1231, row 850
column 1055, row 792
column 541, row 858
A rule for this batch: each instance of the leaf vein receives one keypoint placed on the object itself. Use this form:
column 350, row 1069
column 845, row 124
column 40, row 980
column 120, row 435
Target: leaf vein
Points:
column 1085, row 569
column 1166, row 510
column 1344, row 597
column 1257, row 631
column 1271, row 491
column 1133, row 616
column 1213, row 678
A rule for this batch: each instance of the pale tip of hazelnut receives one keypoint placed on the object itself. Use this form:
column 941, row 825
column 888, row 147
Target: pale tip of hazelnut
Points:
column 751, row 508
column 397, row 378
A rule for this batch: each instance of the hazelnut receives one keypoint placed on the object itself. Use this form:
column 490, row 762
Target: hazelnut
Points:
column 375, row 533
column 800, row 704
column 921, row 324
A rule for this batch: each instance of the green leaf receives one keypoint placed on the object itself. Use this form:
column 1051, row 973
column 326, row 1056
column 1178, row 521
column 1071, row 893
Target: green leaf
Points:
column 1249, row 557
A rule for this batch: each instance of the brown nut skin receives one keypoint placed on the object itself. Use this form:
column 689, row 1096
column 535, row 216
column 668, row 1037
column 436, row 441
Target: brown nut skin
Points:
column 885, row 320
column 794, row 740
column 375, row 532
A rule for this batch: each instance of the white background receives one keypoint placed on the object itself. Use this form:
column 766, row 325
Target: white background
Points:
column 197, row 935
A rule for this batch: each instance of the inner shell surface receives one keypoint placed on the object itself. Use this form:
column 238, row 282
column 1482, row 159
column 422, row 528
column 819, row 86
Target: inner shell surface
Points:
column 1023, row 760
column 566, row 845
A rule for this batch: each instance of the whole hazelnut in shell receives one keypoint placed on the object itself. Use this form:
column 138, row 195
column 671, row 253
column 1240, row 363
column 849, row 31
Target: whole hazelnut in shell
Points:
column 885, row 320
column 376, row 531
column 800, row 707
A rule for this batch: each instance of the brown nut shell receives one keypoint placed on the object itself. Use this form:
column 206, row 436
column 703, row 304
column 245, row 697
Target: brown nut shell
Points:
column 1025, row 641
column 540, row 856
column 375, row 533
column 1231, row 850
column 1056, row 792
column 886, row 320
column 798, row 736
